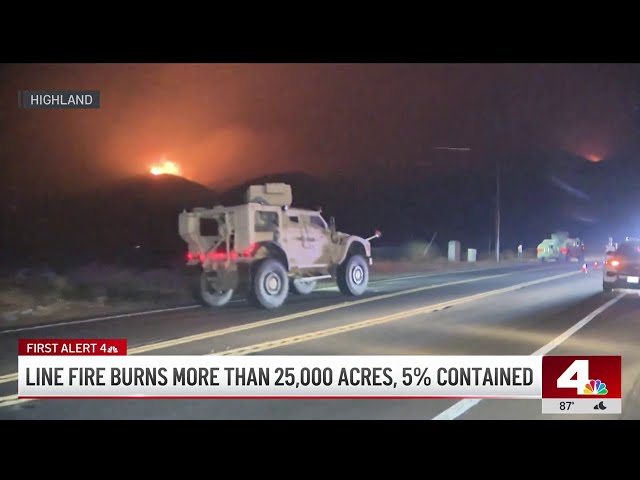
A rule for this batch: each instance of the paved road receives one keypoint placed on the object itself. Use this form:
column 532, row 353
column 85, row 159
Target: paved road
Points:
column 512, row 310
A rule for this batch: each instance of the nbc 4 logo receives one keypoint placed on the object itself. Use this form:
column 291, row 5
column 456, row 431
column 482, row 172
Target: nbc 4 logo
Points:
column 577, row 376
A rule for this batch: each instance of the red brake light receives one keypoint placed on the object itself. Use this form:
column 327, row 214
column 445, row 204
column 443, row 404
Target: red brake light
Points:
column 221, row 254
column 250, row 250
column 564, row 250
column 614, row 263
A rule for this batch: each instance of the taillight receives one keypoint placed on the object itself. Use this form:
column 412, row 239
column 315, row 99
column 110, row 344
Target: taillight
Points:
column 613, row 262
column 250, row 250
column 539, row 249
column 564, row 250
column 221, row 254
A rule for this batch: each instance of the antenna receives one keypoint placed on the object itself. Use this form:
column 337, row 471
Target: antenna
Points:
column 498, row 212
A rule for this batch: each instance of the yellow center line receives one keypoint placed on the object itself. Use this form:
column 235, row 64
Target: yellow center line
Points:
column 260, row 347
column 13, row 377
column 9, row 400
column 294, row 316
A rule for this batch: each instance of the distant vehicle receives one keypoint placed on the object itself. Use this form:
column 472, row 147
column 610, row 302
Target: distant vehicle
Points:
column 560, row 247
column 622, row 266
column 266, row 249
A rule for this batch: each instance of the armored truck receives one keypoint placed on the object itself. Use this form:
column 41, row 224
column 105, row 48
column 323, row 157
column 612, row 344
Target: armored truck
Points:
column 265, row 249
column 560, row 247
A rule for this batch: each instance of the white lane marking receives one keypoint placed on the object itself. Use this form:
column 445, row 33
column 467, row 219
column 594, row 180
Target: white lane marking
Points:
column 461, row 407
column 436, row 274
column 294, row 316
column 261, row 347
column 333, row 288
column 12, row 377
column 13, row 399
column 453, row 272
column 173, row 309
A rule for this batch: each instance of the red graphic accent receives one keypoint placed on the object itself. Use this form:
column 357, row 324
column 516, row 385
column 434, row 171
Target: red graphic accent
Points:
column 569, row 377
column 108, row 347
column 262, row 397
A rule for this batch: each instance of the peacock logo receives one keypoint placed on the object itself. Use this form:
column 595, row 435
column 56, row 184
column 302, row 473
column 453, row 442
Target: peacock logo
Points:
column 595, row 387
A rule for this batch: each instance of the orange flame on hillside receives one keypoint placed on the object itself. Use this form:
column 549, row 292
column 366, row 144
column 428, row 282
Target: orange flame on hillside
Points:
column 167, row 167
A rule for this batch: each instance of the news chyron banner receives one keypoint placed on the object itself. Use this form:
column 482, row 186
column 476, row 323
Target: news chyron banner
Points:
column 101, row 368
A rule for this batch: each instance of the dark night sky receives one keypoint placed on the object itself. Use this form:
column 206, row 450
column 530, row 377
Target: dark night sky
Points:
column 227, row 123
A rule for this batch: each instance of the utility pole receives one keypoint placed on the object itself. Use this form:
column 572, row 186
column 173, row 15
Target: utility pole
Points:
column 498, row 212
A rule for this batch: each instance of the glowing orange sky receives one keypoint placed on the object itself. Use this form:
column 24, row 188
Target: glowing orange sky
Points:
column 223, row 124
column 593, row 158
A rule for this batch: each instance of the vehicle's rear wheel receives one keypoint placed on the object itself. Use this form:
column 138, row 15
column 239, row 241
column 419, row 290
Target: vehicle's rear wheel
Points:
column 606, row 287
column 269, row 284
column 353, row 276
column 300, row 287
column 208, row 296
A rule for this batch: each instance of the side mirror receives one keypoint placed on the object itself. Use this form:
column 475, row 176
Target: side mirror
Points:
column 332, row 228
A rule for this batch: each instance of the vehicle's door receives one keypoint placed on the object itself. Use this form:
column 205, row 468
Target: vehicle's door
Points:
column 316, row 239
column 292, row 240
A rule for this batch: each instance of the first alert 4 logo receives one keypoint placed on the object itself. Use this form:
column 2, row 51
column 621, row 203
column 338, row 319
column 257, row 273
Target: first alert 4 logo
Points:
column 69, row 348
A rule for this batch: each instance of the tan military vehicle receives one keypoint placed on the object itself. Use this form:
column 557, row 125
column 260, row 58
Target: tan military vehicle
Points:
column 266, row 249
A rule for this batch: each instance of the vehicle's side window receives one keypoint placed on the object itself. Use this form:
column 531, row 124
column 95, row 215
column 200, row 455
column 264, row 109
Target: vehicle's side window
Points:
column 209, row 227
column 317, row 221
column 266, row 221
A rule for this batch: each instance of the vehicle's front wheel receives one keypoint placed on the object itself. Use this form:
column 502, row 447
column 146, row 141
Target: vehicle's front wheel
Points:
column 300, row 287
column 269, row 284
column 353, row 276
column 208, row 296
column 606, row 287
